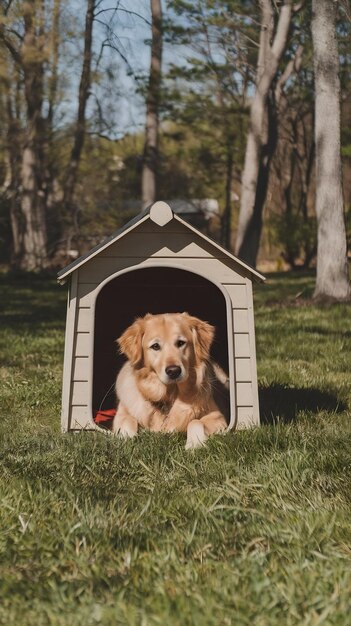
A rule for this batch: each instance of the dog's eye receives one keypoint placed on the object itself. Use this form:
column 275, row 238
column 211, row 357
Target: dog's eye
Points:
column 180, row 343
column 155, row 346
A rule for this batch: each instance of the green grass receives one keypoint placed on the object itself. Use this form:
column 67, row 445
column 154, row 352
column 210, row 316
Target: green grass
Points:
column 253, row 529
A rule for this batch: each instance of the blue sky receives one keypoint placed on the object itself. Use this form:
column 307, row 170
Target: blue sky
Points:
column 117, row 94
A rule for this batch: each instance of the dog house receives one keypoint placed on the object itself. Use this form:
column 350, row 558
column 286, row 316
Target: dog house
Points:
column 157, row 263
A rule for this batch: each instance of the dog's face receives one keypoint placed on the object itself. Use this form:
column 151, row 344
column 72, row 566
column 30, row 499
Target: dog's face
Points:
column 168, row 344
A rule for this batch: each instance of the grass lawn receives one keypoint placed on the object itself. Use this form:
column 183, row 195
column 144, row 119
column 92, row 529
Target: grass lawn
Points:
column 253, row 529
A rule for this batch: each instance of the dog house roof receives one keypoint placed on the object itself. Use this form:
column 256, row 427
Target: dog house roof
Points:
column 160, row 213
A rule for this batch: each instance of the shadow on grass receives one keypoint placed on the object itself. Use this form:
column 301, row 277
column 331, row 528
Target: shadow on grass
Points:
column 281, row 403
column 28, row 301
column 286, row 288
column 319, row 330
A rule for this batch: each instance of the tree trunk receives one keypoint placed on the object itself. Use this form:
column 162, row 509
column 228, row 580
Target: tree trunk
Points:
column 79, row 134
column 29, row 149
column 227, row 214
column 260, row 143
column 150, row 158
column 12, row 183
column 54, row 53
column 309, row 246
column 332, row 281
column 34, row 254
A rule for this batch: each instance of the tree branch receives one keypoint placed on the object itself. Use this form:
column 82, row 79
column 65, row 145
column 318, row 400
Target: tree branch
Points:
column 282, row 31
column 119, row 9
column 266, row 34
column 293, row 67
column 9, row 45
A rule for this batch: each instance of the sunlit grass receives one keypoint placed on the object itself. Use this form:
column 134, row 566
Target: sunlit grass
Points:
column 253, row 529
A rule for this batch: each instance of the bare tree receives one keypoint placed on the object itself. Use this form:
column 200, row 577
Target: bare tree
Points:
column 150, row 159
column 262, row 130
column 80, row 127
column 54, row 62
column 28, row 53
column 33, row 167
column 12, row 181
column 332, row 280
column 29, row 37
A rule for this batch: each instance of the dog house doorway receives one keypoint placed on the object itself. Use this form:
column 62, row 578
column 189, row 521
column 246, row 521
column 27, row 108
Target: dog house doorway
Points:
column 151, row 290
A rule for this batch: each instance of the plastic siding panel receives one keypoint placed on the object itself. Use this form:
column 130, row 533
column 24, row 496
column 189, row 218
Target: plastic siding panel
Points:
column 83, row 341
column 241, row 345
column 81, row 369
column 84, row 320
column 246, row 418
column 147, row 244
column 244, row 394
column 243, row 371
column 80, row 418
column 240, row 321
column 238, row 296
column 69, row 353
column 101, row 268
column 80, row 391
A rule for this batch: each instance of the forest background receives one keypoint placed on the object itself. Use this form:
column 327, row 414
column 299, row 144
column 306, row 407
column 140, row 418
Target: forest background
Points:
column 107, row 105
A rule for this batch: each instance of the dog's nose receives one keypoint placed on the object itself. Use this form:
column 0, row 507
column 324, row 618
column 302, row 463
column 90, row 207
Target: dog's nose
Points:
column 173, row 372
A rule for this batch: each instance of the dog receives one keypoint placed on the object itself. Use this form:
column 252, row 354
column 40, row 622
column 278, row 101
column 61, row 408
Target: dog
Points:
column 169, row 383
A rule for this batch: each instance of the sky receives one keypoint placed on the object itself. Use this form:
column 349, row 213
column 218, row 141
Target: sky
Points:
column 126, row 64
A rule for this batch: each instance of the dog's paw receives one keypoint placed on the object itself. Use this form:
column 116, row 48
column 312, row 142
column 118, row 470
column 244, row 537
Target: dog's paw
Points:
column 196, row 436
column 124, row 434
column 125, row 431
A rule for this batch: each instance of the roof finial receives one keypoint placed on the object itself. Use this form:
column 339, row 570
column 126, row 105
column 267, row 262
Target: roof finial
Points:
column 161, row 213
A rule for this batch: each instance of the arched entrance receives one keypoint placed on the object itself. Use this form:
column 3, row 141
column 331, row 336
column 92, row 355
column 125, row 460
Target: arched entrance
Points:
column 151, row 290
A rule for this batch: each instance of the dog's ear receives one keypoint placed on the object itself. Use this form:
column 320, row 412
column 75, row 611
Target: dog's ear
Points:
column 130, row 342
column 203, row 334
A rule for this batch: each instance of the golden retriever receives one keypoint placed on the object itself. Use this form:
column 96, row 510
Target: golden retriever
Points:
column 168, row 382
